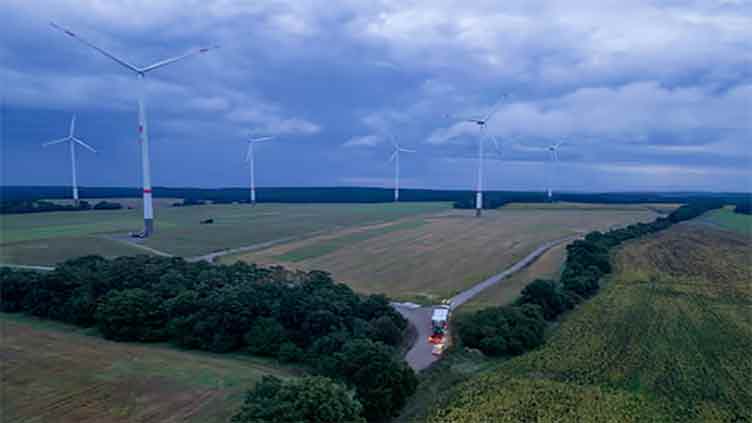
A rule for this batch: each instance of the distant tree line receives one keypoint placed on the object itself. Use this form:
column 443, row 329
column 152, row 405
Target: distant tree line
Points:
column 744, row 206
column 40, row 206
column 296, row 317
column 514, row 329
column 460, row 198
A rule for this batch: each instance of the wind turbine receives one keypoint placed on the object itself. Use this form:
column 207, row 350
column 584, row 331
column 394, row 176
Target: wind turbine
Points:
column 72, row 141
column 481, row 122
column 142, row 126
column 250, row 158
column 395, row 157
column 553, row 151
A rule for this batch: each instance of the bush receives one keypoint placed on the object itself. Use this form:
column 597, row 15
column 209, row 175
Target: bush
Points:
column 14, row 286
column 312, row 399
column 290, row 353
column 131, row 315
column 106, row 205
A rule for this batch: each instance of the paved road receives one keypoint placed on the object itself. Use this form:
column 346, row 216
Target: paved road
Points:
column 419, row 356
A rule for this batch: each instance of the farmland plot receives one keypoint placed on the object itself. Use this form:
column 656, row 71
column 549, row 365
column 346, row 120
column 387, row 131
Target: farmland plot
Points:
column 667, row 339
column 56, row 373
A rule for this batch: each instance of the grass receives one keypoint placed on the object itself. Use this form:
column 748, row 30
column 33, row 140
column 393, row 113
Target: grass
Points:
column 47, row 238
column 437, row 255
column 547, row 266
column 667, row 339
column 56, row 372
column 727, row 219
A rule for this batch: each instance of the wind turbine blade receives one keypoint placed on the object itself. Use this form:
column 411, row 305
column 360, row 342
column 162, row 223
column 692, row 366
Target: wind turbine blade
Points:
column 72, row 126
column 495, row 107
column 262, row 139
column 496, row 144
column 83, row 144
column 393, row 156
column 56, row 141
column 175, row 59
column 406, row 150
column 102, row 51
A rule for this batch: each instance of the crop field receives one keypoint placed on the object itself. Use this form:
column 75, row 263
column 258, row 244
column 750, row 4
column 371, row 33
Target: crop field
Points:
column 667, row 339
column 56, row 373
column 429, row 257
column 47, row 238
column 727, row 219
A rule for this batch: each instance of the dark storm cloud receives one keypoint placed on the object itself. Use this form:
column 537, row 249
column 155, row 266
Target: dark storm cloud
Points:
column 647, row 95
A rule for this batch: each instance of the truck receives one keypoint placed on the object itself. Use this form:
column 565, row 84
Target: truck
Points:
column 439, row 322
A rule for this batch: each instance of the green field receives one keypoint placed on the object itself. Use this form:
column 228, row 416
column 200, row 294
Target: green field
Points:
column 429, row 257
column 667, row 339
column 53, row 372
column 47, row 238
column 727, row 219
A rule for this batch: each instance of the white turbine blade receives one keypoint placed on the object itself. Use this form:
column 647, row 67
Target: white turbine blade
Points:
column 406, row 150
column 56, row 141
column 102, row 51
column 495, row 107
column 496, row 144
column 261, row 139
column 72, row 126
column 84, row 145
column 175, row 59
column 393, row 156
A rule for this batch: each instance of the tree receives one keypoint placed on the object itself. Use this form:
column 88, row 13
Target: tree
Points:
column 312, row 399
column 265, row 337
column 547, row 294
column 382, row 380
column 384, row 329
column 131, row 315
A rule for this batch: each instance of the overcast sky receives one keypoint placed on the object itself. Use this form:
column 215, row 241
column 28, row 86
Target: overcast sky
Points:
column 646, row 95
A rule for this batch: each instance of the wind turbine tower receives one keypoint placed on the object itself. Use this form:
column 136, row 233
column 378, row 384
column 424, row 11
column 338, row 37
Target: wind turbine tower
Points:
column 72, row 141
column 395, row 157
column 250, row 157
column 481, row 122
column 143, row 132
column 553, row 151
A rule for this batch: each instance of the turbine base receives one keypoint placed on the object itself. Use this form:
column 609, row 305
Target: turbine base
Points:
column 148, row 227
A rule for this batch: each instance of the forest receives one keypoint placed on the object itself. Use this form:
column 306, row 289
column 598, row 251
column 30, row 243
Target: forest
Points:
column 297, row 317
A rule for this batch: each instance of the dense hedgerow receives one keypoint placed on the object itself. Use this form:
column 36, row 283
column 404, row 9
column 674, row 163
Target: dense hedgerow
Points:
column 293, row 316
column 511, row 330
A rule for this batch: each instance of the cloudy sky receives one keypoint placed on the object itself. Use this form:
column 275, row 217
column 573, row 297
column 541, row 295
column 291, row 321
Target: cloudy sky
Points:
column 646, row 95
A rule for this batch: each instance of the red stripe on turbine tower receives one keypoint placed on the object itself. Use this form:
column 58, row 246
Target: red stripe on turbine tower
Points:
column 147, row 190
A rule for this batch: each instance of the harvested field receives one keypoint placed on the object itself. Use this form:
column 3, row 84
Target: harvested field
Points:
column 56, row 373
column 667, row 339
column 431, row 257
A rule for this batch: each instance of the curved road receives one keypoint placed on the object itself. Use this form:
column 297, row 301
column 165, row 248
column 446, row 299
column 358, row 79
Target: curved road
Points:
column 419, row 356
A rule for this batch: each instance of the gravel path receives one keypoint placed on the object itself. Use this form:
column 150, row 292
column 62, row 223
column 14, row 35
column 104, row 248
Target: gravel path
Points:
column 419, row 356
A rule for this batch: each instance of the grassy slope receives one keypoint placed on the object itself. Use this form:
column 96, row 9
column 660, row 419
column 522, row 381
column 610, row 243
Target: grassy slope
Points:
column 57, row 373
column 667, row 340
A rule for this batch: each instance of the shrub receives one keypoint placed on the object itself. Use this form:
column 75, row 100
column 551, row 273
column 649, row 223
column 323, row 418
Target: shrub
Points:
column 385, row 330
